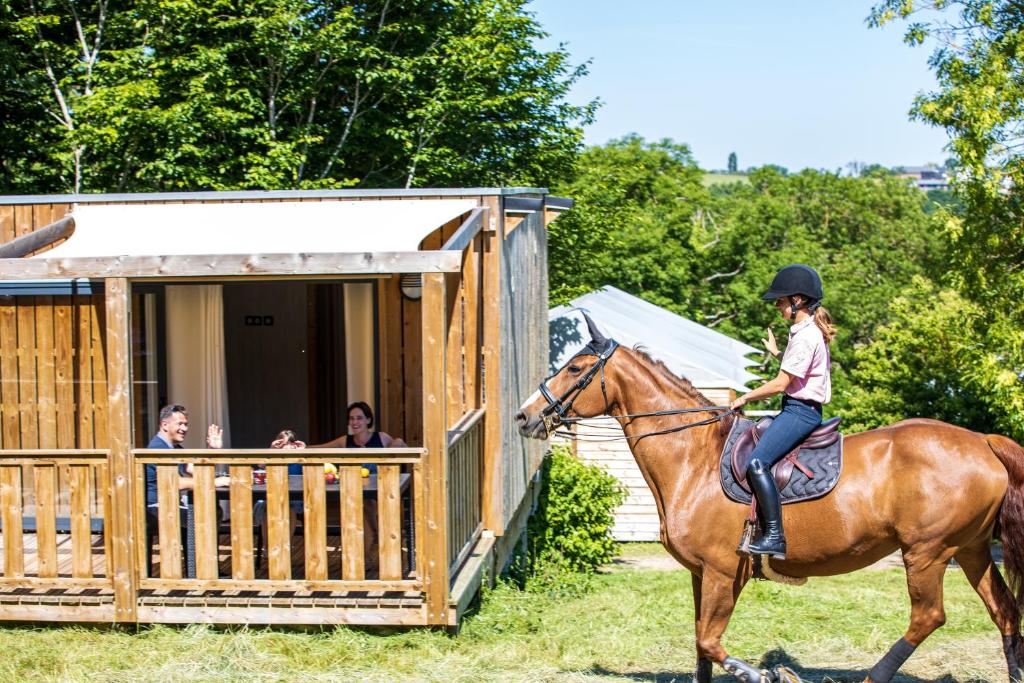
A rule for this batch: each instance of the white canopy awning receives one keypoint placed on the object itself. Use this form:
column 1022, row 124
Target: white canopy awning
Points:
column 255, row 228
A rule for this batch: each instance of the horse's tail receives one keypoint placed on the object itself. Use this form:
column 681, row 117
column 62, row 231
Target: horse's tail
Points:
column 1010, row 524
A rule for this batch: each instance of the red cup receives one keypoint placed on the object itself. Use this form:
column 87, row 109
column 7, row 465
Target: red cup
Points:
column 259, row 477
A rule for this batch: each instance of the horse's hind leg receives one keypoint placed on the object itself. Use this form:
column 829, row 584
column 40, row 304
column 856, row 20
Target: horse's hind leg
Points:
column 982, row 572
column 924, row 582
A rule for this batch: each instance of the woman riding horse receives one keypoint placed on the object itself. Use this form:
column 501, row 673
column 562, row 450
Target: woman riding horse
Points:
column 804, row 378
column 930, row 489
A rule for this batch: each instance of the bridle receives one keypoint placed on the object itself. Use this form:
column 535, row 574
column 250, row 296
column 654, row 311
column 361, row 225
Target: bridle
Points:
column 555, row 413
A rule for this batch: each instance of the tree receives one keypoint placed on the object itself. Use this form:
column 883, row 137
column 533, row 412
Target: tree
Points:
column 733, row 164
column 644, row 223
column 979, row 65
column 632, row 223
column 868, row 237
column 185, row 95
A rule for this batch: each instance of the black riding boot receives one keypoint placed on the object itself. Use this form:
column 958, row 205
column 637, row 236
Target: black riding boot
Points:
column 772, row 541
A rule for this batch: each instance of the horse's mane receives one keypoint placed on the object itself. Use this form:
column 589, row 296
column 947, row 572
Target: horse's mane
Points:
column 684, row 385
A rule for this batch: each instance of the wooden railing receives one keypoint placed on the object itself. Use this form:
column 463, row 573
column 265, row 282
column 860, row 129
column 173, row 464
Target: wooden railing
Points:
column 465, row 474
column 186, row 525
column 63, row 530
column 53, row 508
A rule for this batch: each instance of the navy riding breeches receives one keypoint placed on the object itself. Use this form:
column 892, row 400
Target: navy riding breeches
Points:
column 797, row 419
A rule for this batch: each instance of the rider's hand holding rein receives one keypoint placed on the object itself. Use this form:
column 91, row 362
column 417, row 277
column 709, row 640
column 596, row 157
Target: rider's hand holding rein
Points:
column 766, row 390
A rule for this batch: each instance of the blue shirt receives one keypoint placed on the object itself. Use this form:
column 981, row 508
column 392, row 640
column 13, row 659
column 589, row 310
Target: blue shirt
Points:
column 151, row 489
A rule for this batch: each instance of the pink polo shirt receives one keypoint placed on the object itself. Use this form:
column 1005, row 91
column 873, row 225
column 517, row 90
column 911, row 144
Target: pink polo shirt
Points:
column 807, row 359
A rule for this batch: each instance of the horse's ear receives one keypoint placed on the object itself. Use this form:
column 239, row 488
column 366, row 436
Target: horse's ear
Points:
column 599, row 339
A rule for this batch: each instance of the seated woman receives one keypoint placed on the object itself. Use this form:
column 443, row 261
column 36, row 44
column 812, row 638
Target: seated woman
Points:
column 362, row 435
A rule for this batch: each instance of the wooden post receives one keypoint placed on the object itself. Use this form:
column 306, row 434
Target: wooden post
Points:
column 493, row 485
column 471, row 280
column 454, row 374
column 119, row 377
column 435, row 440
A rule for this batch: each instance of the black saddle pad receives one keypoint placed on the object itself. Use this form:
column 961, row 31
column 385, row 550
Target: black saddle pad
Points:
column 826, row 464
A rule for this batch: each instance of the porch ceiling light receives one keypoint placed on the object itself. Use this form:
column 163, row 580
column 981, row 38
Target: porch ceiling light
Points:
column 412, row 286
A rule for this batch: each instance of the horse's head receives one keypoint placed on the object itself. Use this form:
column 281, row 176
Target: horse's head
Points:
column 572, row 391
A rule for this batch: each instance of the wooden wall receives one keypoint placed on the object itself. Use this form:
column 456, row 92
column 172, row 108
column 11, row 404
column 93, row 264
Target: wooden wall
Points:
column 524, row 334
column 53, row 384
column 18, row 220
column 399, row 326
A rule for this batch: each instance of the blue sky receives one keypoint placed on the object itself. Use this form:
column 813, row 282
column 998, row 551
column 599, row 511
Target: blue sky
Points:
column 795, row 83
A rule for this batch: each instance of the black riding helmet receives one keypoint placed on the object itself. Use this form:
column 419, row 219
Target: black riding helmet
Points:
column 795, row 279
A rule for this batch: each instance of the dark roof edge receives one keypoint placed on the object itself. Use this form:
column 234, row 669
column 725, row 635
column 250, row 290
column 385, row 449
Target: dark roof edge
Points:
column 266, row 194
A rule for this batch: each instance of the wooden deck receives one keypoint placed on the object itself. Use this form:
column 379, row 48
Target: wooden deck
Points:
column 25, row 595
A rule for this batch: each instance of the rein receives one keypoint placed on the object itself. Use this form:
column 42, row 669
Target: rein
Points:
column 555, row 412
column 600, row 438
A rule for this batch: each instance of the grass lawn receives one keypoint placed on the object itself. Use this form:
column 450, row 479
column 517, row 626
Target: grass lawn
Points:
column 636, row 625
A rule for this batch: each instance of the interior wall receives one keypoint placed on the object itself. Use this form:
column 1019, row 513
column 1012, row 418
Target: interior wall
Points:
column 265, row 329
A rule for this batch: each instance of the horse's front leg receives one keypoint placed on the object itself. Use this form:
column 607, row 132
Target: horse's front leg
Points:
column 718, row 594
column 704, row 664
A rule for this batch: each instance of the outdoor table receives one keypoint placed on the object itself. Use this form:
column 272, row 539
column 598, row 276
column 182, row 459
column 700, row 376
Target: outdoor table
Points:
column 295, row 492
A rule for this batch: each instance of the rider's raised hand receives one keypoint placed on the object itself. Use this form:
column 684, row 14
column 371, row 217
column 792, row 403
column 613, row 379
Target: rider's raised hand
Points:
column 770, row 344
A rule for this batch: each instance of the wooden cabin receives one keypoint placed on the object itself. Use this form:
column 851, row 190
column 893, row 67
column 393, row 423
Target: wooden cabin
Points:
column 714, row 363
column 261, row 311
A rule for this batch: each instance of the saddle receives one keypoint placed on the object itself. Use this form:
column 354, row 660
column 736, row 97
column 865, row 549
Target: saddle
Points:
column 809, row 471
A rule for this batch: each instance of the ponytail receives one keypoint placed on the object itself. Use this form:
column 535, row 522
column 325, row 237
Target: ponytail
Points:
column 825, row 323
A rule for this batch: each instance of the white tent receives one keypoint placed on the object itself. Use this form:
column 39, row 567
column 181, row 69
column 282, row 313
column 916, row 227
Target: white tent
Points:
column 707, row 358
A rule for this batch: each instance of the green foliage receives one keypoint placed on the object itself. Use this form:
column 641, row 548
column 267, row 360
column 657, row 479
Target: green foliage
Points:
column 644, row 223
column 979, row 66
column 733, row 163
column 868, row 237
column 914, row 365
column 186, row 95
column 569, row 533
column 631, row 224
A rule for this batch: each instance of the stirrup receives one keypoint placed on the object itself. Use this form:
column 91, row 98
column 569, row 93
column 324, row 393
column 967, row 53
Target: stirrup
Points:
column 776, row 548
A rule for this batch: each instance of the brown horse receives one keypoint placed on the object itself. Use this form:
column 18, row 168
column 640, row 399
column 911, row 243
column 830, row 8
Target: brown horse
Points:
column 935, row 491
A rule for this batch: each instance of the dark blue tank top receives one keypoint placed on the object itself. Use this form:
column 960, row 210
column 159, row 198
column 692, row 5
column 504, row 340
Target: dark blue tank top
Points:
column 374, row 442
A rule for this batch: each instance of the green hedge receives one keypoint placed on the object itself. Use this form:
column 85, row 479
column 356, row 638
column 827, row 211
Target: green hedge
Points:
column 569, row 534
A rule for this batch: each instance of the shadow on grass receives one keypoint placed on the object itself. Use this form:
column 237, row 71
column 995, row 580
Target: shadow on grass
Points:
column 771, row 659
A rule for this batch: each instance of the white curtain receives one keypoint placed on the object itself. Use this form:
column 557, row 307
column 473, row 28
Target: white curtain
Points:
column 359, row 349
column 196, row 369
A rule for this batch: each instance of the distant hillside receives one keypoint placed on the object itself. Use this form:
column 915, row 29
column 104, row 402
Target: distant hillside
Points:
column 710, row 179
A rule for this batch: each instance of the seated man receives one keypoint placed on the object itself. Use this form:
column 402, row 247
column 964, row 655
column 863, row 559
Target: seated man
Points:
column 171, row 434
